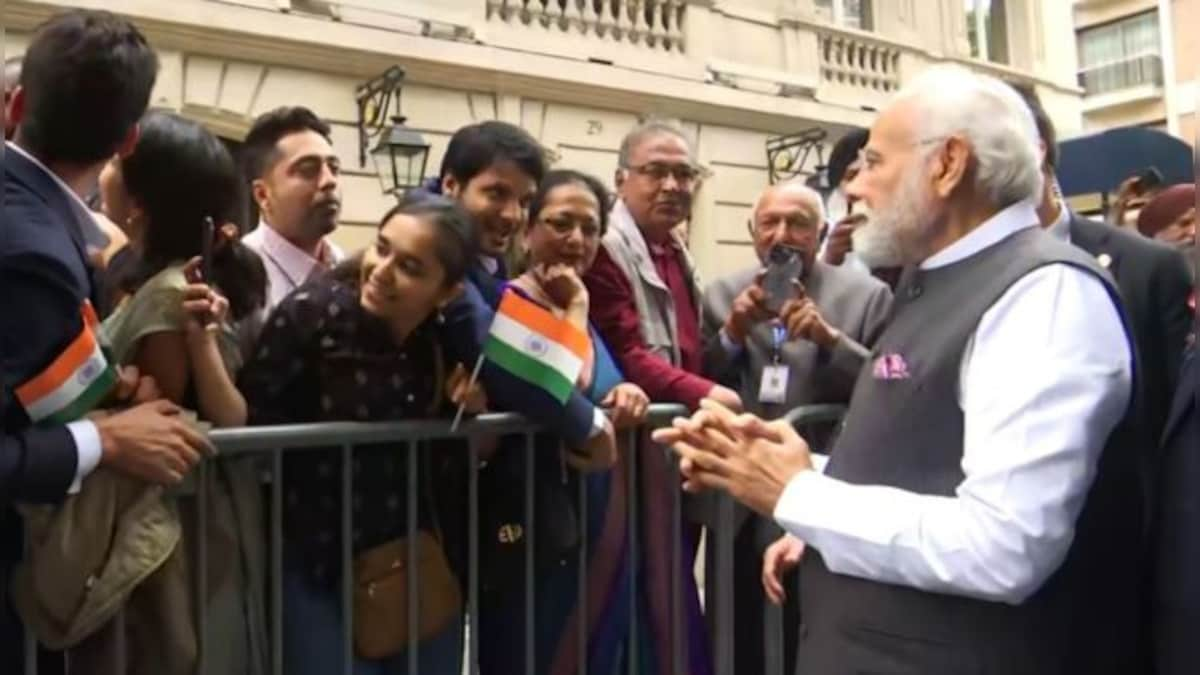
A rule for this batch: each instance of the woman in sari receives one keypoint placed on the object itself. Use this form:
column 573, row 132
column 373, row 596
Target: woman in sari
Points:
column 568, row 217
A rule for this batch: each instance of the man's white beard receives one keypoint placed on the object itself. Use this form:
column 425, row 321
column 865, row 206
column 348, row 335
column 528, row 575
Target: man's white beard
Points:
column 898, row 236
column 874, row 245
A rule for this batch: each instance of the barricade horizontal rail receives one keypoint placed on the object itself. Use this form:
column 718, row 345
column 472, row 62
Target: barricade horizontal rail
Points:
column 211, row 500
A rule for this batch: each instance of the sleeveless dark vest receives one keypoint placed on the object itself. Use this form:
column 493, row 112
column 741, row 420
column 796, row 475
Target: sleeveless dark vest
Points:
column 908, row 433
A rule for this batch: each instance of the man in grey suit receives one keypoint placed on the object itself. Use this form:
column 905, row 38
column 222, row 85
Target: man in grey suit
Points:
column 809, row 352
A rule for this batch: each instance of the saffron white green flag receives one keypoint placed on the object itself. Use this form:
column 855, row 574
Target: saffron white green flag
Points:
column 536, row 346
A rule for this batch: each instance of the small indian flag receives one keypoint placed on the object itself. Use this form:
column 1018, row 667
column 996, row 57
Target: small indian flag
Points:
column 78, row 379
column 536, row 346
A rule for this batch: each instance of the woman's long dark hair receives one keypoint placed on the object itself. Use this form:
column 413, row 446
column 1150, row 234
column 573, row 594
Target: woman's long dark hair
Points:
column 181, row 174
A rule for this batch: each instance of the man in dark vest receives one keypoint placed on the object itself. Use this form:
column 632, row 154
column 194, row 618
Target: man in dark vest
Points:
column 981, row 511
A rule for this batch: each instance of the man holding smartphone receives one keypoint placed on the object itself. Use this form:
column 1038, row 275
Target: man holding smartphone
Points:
column 784, row 334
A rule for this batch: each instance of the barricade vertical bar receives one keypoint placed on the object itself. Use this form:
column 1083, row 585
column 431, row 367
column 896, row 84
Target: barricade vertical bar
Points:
column 773, row 637
column 31, row 653
column 202, row 484
column 530, row 554
column 582, row 570
column 721, row 539
column 347, row 560
column 473, row 559
column 277, row 562
column 635, row 456
column 414, row 628
column 30, row 641
column 677, row 570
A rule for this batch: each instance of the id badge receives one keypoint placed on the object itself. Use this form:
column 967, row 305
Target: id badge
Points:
column 773, row 388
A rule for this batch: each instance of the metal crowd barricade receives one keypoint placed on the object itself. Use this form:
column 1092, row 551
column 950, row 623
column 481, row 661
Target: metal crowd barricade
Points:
column 271, row 443
column 813, row 421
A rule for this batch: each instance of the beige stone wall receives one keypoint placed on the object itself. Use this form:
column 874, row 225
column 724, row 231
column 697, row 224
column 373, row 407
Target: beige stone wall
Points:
column 1186, row 17
column 1187, row 128
column 740, row 71
column 1095, row 12
column 1149, row 105
column 1147, row 111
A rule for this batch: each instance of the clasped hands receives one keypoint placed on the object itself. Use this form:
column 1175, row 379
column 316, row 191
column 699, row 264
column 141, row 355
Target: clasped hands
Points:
column 744, row 456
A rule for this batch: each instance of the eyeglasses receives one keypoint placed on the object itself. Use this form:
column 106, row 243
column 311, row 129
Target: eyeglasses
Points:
column 565, row 225
column 684, row 174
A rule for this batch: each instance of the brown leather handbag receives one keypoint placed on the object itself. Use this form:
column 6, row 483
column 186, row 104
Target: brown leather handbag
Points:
column 381, row 596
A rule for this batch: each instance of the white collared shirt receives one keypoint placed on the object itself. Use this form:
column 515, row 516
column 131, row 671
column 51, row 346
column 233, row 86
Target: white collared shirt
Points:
column 1044, row 381
column 489, row 264
column 287, row 265
column 84, row 433
column 1061, row 227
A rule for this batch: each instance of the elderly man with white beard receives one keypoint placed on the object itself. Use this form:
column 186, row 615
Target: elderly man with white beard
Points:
column 981, row 510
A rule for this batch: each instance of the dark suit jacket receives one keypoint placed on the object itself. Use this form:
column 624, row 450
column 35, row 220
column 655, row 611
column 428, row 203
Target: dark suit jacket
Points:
column 45, row 277
column 1176, row 542
column 1155, row 283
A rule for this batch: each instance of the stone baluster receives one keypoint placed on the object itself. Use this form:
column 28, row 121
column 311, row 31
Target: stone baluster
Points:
column 500, row 8
column 620, row 23
column 636, row 30
column 601, row 17
column 556, row 13
column 858, row 63
column 529, row 10
column 656, row 28
column 674, row 13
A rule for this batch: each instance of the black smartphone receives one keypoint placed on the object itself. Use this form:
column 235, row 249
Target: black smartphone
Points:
column 1149, row 179
column 785, row 266
column 207, row 235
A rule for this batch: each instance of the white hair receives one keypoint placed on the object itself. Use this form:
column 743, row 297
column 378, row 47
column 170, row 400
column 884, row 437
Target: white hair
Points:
column 951, row 100
column 797, row 186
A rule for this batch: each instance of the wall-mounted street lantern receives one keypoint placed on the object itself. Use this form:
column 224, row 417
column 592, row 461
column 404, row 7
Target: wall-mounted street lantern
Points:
column 788, row 156
column 400, row 153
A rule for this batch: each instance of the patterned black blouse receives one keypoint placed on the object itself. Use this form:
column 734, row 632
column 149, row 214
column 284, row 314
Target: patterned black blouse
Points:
column 321, row 358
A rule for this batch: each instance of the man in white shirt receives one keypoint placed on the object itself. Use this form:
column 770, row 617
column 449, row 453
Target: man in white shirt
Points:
column 981, row 510
column 293, row 173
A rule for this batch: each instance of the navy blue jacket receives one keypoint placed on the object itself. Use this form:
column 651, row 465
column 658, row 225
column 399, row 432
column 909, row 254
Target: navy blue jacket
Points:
column 464, row 331
column 45, row 277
